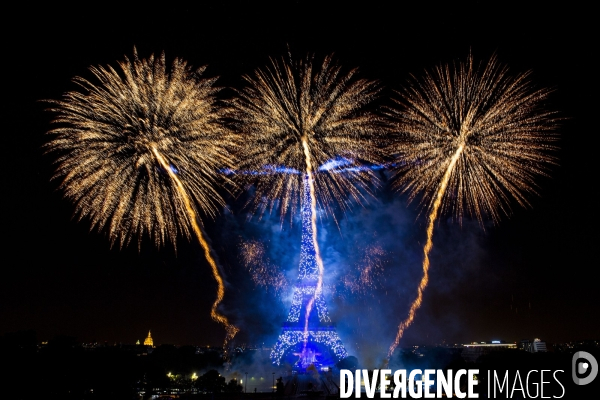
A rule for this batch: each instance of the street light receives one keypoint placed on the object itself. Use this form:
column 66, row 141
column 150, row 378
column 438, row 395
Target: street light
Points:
column 246, row 383
column 273, row 387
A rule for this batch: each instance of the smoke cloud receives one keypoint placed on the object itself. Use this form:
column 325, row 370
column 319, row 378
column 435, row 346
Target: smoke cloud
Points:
column 372, row 257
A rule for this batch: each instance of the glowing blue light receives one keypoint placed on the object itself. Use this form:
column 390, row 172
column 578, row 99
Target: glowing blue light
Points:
column 291, row 338
column 266, row 170
column 270, row 169
column 304, row 290
column 335, row 163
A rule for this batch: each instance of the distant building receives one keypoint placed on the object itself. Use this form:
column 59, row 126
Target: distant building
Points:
column 535, row 346
column 474, row 350
column 149, row 341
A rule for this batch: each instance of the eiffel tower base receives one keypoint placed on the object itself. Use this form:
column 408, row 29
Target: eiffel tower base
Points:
column 321, row 349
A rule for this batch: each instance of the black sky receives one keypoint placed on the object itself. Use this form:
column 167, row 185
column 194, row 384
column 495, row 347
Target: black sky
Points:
column 533, row 275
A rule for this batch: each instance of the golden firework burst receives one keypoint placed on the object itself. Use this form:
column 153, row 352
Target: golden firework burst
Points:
column 496, row 122
column 109, row 136
column 299, row 118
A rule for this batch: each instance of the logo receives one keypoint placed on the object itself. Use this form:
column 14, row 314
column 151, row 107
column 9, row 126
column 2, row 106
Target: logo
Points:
column 584, row 364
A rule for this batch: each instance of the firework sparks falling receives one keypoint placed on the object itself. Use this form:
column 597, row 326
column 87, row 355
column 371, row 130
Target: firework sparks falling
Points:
column 473, row 138
column 124, row 146
column 368, row 272
column 262, row 271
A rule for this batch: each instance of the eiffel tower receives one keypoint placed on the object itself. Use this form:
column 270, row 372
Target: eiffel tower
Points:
column 322, row 347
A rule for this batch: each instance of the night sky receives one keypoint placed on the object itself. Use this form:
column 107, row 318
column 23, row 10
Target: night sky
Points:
column 531, row 275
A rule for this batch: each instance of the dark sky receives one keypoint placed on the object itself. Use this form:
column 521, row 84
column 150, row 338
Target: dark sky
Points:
column 532, row 275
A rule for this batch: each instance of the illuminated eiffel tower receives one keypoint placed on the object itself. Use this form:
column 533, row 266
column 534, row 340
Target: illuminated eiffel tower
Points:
column 321, row 345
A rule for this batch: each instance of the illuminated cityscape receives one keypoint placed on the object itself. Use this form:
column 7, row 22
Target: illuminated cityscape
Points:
column 102, row 369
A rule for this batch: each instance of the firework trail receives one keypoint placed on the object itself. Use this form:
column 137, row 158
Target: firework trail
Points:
column 472, row 138
column 231, row 329
column 297, row 117
column 416, row 304
column 124, row 146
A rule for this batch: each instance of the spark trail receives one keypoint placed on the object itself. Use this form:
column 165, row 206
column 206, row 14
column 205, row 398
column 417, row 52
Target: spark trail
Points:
column 230, row 329
column 313, row 222
column 426, row 249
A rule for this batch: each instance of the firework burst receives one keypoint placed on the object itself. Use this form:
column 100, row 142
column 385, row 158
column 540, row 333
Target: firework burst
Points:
column 299, row 117
column 471, row 139
column 104, row 143
column 494, row 124
column 139, row 153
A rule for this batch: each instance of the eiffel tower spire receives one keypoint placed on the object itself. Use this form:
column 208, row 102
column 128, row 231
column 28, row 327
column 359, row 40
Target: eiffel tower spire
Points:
column 321, row 336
